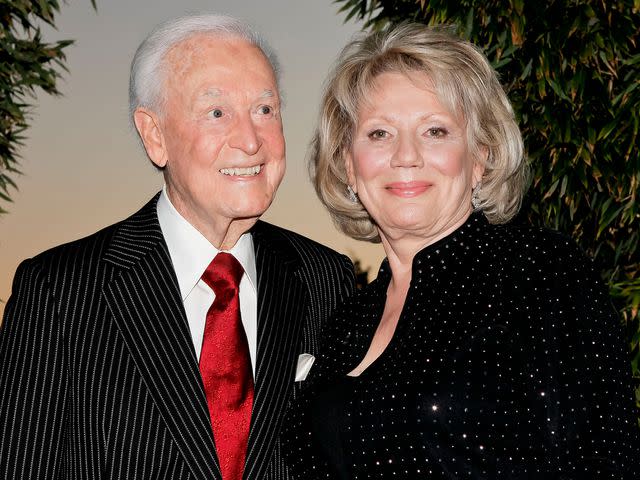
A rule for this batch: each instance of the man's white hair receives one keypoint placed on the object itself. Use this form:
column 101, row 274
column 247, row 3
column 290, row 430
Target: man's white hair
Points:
column 147, row 77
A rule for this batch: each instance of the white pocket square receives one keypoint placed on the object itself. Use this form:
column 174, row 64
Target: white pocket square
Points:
column 305, row 361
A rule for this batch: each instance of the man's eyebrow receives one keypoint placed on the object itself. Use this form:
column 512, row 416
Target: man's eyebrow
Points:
column 267, row 94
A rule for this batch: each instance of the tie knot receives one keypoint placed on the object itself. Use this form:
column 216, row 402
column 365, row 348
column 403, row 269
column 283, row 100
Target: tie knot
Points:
column 224, row 272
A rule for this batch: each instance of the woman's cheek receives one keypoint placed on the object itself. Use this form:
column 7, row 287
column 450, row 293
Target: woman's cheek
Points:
column 447, row 159
column 368, row 162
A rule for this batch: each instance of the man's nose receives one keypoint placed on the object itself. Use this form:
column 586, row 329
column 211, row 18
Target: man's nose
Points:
column 245, row 136
column 407, row 153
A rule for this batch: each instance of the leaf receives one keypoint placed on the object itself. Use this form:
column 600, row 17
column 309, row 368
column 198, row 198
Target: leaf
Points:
column 606, row 131
column 551, row 190
column 607, row 220
column 518, row 6
column 627, row 91
column 527, row 70
column 468, row 22
column 347, row 5
column 558, row 91
column 355, row 10
column 563, row 186
column 497, row 65
column 5, row 197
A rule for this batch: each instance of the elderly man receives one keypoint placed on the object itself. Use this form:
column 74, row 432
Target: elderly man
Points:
column 168, row 345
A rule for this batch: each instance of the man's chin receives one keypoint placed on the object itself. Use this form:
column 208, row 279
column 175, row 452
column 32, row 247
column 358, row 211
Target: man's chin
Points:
column 248, row 218
column 251, row 210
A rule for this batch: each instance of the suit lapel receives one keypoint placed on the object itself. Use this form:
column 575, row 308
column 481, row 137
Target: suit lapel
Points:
column 144, row 299
column 282, row 308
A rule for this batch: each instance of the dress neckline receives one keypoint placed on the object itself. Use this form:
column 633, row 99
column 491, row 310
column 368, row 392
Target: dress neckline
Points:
column 475, row 222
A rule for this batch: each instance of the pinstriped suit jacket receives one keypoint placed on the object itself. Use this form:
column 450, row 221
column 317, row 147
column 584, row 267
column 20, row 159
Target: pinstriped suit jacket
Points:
column 98, row 376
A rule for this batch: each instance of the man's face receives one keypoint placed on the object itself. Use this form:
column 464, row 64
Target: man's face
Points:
column 223, row 149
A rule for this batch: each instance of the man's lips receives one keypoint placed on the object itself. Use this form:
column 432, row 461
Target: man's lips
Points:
column 407, row 189
column 242, row 171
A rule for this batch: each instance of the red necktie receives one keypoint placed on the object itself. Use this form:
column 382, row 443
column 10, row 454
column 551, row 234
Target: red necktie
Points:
column 225, row 366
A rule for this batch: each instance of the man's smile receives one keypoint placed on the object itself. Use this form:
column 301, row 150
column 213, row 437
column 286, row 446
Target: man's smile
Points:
column 246, row 171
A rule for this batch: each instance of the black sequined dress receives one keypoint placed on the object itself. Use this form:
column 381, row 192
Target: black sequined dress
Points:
column 507, row 363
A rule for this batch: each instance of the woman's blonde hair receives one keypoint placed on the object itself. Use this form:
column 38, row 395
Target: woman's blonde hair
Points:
column 467, row 86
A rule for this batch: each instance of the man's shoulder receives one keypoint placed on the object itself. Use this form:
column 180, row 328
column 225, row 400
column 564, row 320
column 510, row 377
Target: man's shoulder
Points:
column 300, row 244
column 328, row 275
column 90, row 248
column 78, row 248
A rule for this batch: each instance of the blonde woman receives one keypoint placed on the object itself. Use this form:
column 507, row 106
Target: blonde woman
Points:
column 484, row 349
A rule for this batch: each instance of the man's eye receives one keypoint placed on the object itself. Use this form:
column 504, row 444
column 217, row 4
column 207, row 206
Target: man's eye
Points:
column 216, row 113
column 265, row 110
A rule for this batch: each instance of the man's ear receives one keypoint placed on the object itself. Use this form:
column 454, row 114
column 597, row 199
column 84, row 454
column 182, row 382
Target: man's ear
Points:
column 148, row 126
column 348, row 166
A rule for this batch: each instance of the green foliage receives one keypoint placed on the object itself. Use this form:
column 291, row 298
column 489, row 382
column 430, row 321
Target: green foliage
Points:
column 572, row 72
column 26, row 62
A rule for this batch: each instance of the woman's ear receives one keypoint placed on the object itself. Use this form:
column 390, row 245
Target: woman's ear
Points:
column 348, row 166
column 479, row 165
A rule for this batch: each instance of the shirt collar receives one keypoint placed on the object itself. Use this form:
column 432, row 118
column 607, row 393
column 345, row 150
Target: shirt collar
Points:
column 191, row 252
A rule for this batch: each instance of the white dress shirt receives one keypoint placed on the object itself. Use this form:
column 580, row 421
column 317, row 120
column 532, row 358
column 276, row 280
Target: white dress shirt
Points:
column 191, row 254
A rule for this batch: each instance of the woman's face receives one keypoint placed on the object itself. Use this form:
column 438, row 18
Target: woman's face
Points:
column 409, row 161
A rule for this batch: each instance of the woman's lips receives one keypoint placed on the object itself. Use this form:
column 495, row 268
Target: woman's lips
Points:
column 407, row 189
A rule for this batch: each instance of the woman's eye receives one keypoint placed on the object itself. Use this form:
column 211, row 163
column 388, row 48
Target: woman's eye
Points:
column 216, row 113
column 437, row 132
column 378, row 134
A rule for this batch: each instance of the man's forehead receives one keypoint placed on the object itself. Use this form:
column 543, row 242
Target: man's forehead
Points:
column 211, row 44
column 204, row 68
column 201, row 51
column 219, row 92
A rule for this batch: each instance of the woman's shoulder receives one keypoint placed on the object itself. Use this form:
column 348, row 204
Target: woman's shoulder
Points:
column 533, row 259
column 535, row 244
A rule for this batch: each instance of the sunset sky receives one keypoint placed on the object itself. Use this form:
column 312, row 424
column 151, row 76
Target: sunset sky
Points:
column 83, row 168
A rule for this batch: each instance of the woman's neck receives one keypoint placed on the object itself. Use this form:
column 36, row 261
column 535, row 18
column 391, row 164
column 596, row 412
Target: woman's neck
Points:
column 402, row 247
